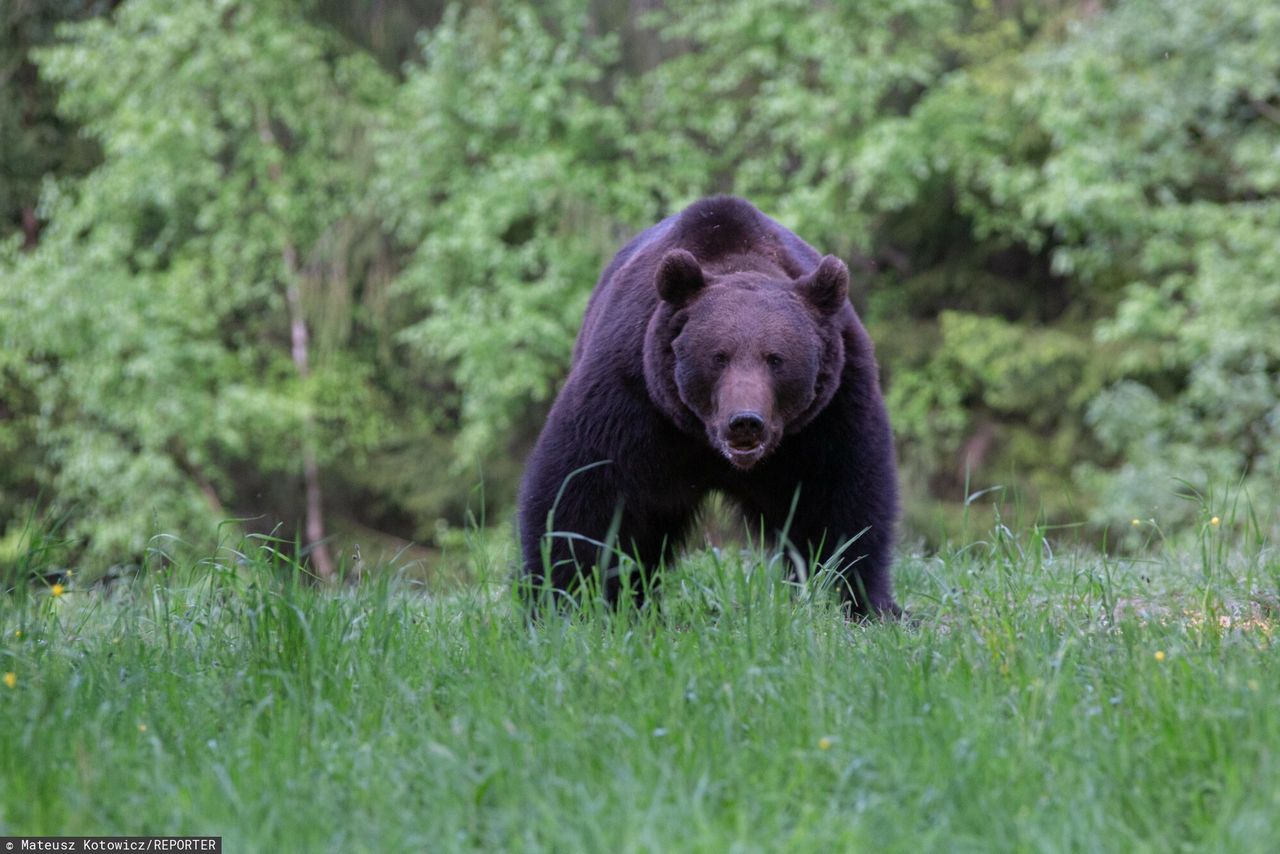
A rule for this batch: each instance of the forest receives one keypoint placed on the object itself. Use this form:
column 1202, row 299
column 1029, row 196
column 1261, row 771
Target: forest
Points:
column 316, row 267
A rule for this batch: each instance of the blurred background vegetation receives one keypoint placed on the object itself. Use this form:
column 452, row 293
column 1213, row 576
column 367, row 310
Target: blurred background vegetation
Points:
column 318, row 265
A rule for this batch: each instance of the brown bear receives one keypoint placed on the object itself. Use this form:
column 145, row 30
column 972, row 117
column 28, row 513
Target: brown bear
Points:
column 719, row 352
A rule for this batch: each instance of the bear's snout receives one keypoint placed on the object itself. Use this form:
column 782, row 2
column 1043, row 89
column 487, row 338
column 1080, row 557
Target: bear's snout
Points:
column 745, row 438
column 746, row 430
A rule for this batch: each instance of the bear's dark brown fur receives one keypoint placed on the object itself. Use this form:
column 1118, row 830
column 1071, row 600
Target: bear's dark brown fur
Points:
column 719, row 352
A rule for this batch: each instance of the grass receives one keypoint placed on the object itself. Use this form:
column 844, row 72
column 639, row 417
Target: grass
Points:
column 1041, row 702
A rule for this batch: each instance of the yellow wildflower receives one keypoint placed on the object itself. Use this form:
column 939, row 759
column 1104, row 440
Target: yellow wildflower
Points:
column 1159, row 655
column 1136, row 523
column 824, row 743
column 142, row 727
column 1215, row 521
column 11, row 680
column 57, row 590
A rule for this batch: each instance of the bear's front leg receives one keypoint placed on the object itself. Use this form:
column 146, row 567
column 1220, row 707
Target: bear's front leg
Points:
column 829, row 532
column 841, row 475
column 592, row 511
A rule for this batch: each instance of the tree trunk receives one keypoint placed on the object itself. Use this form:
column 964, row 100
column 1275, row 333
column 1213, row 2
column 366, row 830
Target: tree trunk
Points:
column 30, row 228
column 319, row 549
column 320, row 556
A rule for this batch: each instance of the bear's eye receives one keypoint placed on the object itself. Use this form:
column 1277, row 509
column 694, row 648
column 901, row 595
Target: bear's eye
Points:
column 720, row 359
column 773, row 360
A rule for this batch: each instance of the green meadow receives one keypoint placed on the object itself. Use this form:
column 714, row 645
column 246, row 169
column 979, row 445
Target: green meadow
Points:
column 1035, row 700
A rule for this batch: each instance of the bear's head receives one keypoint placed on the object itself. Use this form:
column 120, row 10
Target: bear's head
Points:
column 745, row 358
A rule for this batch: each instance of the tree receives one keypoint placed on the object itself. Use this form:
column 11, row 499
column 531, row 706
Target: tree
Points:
column 34, row 138
column 501, row 167
column 1138, row 146
column 161, row 330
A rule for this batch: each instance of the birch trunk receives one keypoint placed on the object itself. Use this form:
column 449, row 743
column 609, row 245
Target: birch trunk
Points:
column 320, row 557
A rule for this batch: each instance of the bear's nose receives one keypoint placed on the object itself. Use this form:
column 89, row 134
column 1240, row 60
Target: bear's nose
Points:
column 745, row 429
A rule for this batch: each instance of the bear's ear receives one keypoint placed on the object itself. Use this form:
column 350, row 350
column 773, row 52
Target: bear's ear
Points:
column 826, row 288
column 679, row 278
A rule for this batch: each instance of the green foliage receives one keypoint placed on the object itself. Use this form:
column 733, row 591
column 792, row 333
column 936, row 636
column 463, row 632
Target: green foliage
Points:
column 500, row 170
column 34, row 139
column 1129, row 144
column 984, row 366
column 771, row 100
column 1159, row 115
column 148, row 328
column 1060, row 218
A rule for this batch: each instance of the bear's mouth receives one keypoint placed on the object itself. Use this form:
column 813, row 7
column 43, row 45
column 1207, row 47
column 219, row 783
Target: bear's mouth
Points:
column 743, row 457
